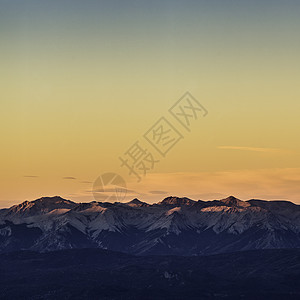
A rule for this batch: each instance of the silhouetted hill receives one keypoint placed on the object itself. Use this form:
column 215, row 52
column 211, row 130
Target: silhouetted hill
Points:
column 102, row 274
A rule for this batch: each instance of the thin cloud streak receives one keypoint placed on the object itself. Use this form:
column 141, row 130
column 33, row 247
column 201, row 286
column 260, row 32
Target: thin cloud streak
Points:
column 254, row 149
column 265, row 184
column 158, row 192
column 268, row 184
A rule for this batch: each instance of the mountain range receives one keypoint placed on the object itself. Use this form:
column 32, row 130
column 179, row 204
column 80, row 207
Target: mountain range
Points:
column 174, row 226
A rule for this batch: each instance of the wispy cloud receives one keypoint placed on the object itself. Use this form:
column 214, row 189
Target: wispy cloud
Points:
column 254, row 149
column 158, row 192
column 70, row 178
column 269, row 184
column 31, row 176
column 112, row 190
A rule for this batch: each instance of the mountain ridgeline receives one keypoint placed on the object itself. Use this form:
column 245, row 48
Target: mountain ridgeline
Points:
column 174, row 226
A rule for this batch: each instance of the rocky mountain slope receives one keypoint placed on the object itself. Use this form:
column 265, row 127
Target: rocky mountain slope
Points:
column 177, row 226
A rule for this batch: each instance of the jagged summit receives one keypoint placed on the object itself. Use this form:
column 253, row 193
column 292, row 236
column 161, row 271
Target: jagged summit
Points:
column 177, row 201
column 54, row 199
column 173, row 226
column 41, row 205
column 235, row 202
column 232, row 198
column 137, row 203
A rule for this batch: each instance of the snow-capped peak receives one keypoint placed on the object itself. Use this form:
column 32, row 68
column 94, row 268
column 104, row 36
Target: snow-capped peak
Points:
column 175, row 223
column 173, row 210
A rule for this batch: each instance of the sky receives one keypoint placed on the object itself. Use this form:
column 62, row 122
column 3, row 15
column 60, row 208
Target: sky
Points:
column 82, row 81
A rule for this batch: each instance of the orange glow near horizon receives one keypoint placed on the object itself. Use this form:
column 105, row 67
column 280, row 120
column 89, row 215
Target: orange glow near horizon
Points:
column 79, row 87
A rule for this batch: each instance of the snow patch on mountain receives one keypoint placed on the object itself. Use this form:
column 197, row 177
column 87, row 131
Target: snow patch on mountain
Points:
column 142, row 227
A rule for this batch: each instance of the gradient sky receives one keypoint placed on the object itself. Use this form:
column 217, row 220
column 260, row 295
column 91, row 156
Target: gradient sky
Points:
column 81, row 81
